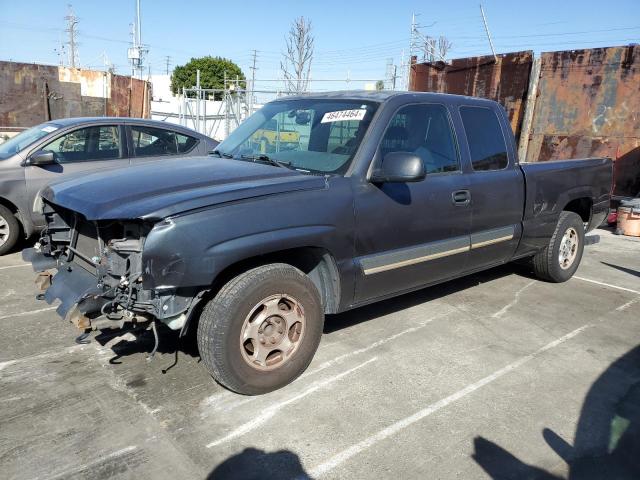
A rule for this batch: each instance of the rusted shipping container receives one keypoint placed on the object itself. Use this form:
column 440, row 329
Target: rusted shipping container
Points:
column 505, row 80
column 588, row 105
column 31, row 94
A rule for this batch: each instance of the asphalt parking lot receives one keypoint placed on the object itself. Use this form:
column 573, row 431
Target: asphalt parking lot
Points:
column 493, row 376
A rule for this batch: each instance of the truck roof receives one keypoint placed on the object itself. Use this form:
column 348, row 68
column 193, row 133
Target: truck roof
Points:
column 383, row 95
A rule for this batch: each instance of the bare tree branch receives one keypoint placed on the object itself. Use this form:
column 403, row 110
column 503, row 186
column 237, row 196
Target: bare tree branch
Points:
column 435, row 50
column 296, row 62
column 444, row 46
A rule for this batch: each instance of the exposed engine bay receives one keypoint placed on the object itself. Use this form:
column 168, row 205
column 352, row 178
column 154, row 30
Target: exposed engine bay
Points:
column 100, row 273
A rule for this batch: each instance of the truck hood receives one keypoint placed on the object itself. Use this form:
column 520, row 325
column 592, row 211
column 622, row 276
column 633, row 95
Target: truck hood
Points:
column 156, row 190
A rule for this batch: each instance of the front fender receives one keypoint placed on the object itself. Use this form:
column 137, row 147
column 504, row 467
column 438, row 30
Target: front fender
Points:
column 191, row 250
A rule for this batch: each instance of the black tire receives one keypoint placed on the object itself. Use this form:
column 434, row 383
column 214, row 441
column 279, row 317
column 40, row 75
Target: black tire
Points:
column 9, row 230
column 224, row 318
column 547, row 264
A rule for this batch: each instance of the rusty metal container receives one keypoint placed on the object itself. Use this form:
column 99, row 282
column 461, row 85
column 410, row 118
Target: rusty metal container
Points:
column 629, row 218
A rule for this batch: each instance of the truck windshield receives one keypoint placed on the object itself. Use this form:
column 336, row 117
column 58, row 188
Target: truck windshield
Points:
column 313, row 135
column 26, row 138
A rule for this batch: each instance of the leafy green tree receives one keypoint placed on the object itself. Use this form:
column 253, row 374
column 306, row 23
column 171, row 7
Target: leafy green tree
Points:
column 212, row 71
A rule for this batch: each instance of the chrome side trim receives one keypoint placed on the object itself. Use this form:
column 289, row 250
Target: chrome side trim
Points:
column 410, row 256
column 413, row 261
column 491, row 242
column 490, row 237
column 405, row 257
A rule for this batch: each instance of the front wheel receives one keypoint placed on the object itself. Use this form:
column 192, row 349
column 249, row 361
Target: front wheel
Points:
column 9, row 230
column 262, row 329
column 560, row 259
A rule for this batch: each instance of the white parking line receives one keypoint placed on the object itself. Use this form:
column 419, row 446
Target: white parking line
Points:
column 628, row 304
column 15, row 266
column 625, row 289
column 396, row 427
column 30, row 312
column 270, row 411
column 215, row 400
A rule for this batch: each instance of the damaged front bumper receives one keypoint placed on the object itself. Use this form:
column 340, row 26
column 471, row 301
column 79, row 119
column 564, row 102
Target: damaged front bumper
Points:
column 77, row 290
column 95, row 269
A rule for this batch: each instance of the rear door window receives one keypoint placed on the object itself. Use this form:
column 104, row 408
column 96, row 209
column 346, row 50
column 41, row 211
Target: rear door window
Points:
column 487, row 146
column 153, row 142
column 185, row 143
column 87, row 144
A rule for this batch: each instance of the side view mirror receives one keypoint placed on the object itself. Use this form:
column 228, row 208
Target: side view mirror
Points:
column 42, row 157
column 399, row 167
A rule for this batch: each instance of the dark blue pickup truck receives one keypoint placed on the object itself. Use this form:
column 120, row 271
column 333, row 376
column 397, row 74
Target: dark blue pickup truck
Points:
column 383, row 193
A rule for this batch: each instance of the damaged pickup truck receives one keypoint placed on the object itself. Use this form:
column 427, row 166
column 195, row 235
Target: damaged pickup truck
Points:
column 384, row 193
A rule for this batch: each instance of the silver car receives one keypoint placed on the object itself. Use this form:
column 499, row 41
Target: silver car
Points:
column 57, row 149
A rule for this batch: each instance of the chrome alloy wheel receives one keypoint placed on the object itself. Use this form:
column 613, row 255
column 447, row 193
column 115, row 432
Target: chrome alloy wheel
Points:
column 4, row 231
column 568, row 248
column 272, row 332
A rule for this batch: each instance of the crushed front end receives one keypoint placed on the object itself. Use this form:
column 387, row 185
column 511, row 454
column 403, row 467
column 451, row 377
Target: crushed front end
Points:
column 95, row 270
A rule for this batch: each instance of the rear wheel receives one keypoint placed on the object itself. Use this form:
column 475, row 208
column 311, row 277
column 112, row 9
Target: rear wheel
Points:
column 9, row 230
column 262, row 329
column 560, row 259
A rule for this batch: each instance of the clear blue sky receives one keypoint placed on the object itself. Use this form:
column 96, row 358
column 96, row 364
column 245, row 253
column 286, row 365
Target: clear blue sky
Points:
column 353, row 38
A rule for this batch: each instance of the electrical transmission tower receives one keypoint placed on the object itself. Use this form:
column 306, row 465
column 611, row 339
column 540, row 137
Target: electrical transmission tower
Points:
column 167, row 60
column 72, row 22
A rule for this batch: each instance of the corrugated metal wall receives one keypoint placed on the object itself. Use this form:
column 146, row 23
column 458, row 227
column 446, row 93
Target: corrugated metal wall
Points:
column 505, row 81
column 31, row 94
column 587, row 103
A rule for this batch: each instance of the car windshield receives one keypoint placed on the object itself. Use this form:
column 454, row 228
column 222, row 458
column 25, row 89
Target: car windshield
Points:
column 26, row 138
column 309, row 135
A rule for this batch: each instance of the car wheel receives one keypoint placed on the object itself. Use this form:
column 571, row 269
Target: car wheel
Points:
column 262, row 329
column 9, row 230
column 560, row 259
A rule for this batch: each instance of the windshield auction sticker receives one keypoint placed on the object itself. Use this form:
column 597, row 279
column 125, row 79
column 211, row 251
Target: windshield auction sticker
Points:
column 343, row 116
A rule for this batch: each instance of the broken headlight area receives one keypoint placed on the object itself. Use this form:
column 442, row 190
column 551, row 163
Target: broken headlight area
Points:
column 99, row 273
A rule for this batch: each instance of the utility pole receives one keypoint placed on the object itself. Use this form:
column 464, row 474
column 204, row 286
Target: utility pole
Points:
column 486, row 29
column 137, row 51
column 167, row 60
column 253, row 81
column 72, row 21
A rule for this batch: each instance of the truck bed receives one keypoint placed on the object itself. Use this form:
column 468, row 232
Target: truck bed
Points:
column 551, row 185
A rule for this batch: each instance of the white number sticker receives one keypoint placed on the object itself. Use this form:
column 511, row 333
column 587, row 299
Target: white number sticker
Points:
column 343, row 115
column 49, row 129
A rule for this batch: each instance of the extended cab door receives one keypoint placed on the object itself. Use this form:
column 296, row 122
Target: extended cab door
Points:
column 81, row 150
column 413, row 234
column 497, row 186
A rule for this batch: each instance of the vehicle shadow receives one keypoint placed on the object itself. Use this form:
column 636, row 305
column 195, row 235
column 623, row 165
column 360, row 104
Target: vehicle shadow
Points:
column 170, row 343
column 607, row 438
column 630, row 271
column 369, row 312
column 254, row 464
